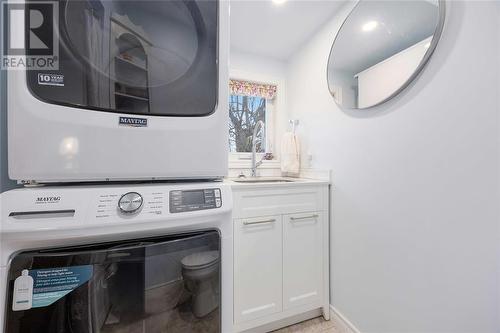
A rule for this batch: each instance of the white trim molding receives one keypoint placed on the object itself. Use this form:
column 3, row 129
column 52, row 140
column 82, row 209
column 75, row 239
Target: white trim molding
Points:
column 342, row 324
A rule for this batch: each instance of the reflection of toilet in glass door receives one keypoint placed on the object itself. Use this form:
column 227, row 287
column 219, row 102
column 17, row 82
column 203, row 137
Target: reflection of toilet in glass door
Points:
column 194, row 285
column 201, row 271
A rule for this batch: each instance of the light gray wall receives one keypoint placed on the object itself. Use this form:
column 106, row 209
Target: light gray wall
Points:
column 5, row 182
column 3, row 130
column 252, row 63
column 415, row 231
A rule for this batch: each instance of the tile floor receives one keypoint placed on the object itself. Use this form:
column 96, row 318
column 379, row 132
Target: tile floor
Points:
column 316, row 325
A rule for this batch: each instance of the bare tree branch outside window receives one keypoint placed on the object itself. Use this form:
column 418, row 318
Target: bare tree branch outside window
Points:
column 244, row 113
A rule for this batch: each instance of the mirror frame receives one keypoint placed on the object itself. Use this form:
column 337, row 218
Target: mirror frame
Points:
column 434, row 42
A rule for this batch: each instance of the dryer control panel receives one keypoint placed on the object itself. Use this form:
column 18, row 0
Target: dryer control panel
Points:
column 190, row 200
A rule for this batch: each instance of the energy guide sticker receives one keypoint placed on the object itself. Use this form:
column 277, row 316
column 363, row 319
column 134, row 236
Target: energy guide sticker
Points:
column 42, row 287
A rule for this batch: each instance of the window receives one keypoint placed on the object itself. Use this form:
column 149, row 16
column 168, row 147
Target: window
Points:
column 249, row 103
column 244, row 113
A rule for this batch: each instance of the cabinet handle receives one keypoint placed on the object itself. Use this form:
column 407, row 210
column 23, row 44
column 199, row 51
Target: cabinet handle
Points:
column 303, row 217
column 259, row 222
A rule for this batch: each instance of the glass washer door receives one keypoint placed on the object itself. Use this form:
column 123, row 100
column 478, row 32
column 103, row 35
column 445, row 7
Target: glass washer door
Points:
column 137, row 287
column 156, row 57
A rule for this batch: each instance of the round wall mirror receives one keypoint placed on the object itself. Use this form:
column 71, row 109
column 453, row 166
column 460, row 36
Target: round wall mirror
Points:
column 380, row 48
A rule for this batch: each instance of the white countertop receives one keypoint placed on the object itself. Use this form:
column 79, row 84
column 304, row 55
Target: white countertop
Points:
column 268, row 182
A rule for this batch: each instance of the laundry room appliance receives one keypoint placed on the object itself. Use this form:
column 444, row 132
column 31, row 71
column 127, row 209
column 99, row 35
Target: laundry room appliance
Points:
column 140, row 92
column 99, row 259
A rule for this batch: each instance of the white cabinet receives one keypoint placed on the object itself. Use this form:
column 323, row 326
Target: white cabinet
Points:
column 258, row 270
column 280, row 254
column 302, row 258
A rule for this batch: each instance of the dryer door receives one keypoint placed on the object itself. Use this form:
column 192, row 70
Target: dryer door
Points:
column 136, row 286
column 155, row 57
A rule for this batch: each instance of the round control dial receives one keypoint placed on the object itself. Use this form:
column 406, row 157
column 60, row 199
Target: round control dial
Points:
column 130, row 202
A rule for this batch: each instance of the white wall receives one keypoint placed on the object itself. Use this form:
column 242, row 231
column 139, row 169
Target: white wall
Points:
column 415, row 232
column 256, row 64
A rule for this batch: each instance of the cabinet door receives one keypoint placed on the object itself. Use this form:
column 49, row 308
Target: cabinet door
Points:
column 258, row 271
column 302, row 258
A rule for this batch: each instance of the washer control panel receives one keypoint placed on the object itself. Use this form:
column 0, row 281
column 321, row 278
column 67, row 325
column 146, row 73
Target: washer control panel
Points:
column 130, row 202
column 191, row 200
column 127, row 204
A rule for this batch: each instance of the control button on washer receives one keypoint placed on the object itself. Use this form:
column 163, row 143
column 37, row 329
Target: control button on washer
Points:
column 130, row 202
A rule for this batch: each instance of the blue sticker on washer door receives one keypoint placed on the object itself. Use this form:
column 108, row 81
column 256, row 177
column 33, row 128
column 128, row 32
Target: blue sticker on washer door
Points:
column 52, row 284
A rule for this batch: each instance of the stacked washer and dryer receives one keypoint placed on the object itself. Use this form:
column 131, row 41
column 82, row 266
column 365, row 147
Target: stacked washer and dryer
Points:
column 123, row 223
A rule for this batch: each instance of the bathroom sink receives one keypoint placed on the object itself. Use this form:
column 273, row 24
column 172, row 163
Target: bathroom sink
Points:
column 262, row 180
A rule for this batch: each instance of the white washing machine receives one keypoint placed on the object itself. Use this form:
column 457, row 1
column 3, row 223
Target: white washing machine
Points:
column 140, row 258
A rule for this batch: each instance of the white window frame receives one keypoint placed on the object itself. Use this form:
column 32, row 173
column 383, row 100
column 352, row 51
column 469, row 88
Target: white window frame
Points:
column 274, row 118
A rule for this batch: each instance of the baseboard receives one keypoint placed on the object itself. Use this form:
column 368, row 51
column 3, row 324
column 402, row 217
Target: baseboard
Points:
column 274, row 325
column 342, row 324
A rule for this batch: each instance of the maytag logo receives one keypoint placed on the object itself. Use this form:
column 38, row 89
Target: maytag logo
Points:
column 44, row 200
column 134, row 122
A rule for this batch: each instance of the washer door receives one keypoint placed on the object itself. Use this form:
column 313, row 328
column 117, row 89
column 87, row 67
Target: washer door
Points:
column 135, row 286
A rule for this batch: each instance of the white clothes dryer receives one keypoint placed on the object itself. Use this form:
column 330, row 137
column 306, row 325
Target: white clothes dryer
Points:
column 138, row 90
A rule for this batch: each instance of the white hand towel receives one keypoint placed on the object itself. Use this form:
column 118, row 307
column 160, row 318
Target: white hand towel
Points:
column 290, row 153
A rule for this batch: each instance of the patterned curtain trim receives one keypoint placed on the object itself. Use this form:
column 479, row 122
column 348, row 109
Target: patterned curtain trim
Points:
column 267, row 91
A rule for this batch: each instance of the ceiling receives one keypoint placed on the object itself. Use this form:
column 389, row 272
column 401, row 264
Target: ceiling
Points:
column 263, row 28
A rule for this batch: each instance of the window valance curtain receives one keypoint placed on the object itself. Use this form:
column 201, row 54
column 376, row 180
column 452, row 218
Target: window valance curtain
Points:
column 239, row 87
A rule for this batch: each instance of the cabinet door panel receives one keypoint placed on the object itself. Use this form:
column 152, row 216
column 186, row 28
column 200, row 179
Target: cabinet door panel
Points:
column 257, row 267
column 302, row 258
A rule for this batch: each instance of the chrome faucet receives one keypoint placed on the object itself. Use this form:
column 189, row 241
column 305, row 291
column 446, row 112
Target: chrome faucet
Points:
column 256, row 164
